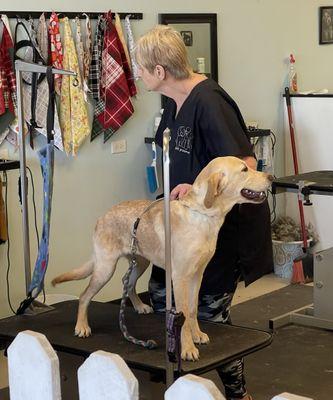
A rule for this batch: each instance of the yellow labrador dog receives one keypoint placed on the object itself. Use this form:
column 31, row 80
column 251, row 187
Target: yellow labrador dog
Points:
column 195, row 222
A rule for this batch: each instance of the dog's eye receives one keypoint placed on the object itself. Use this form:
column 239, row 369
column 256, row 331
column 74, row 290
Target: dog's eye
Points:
column 245, row 169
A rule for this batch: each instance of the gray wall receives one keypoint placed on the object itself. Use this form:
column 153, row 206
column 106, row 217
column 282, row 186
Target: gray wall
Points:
column 255, row 38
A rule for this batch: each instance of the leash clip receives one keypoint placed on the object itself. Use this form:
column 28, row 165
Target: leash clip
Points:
column 134, row 247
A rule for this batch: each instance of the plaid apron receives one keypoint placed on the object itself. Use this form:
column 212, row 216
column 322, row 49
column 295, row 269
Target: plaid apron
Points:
column 114, row 107
column 96, row 61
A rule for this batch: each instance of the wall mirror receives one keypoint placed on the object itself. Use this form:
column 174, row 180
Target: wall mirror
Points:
column 199, row 32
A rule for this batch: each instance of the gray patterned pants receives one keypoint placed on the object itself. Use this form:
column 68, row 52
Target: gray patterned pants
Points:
column 214, row 308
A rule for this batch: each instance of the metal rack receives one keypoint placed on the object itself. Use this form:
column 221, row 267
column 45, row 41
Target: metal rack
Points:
column 71, row 14
column 320, row 313
column 21, row 66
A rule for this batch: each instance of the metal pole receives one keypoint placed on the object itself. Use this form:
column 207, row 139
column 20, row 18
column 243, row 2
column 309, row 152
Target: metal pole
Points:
column 25, row 218
column 167, row 232
column 31, row 67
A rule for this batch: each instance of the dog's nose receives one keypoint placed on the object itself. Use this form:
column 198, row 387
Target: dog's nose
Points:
column 270, row 177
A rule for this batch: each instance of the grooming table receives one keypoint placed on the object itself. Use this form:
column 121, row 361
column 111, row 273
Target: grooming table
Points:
column 317, row 182
column 227, row 342
column 320, row 313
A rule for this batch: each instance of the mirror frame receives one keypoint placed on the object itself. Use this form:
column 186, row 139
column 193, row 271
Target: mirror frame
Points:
column 211, row 19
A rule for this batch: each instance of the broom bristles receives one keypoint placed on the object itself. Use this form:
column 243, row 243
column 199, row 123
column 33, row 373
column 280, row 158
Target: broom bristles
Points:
column 298, row 273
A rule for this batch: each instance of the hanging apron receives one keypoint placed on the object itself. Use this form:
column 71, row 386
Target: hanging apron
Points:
column 96, row 61
column 3, row 221
column 80, row 49
column 116, row 86
column 131, row 47
column 35, row 90
column 119, row 29
column 56, row 49
column 43, row 39
column 73, row 110
column 87, row 51
column 7, row 83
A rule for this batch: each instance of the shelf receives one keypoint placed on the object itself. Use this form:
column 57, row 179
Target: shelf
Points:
column 8, row 165
column 310, row 95
column 258, row 132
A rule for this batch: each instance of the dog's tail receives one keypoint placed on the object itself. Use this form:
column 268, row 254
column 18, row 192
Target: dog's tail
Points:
column 76, row 274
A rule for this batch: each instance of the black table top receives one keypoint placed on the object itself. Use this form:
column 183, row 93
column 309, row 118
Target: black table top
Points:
column 226, row 342
column 316, row 182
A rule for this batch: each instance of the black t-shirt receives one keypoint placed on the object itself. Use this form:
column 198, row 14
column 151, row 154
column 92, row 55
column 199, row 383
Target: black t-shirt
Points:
column 209, row 125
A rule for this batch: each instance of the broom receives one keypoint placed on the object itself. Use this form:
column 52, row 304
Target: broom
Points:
column 298, row 272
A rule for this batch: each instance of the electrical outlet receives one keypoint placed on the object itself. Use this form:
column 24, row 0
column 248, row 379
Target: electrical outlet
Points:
column 4, row 154
column 119, row 146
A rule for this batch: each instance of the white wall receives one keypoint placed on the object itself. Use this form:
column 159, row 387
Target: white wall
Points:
column 254, row 39
column 201, row 43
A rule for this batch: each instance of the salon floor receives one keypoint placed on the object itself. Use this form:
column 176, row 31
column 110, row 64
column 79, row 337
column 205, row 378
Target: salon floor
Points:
column 267, row 284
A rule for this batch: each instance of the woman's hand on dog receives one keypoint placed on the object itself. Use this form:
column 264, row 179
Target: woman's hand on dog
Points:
column 180, row 191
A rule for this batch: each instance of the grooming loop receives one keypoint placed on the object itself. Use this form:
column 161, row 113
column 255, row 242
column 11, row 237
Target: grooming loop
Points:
column 175, row 320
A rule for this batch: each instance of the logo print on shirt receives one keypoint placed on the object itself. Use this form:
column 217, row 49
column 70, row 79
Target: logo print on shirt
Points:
column 184, row 139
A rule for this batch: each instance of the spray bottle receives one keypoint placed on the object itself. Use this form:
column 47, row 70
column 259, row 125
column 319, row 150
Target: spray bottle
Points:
column 292, row 75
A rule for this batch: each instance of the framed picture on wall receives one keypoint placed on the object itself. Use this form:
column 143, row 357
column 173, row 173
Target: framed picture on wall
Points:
column 187, row 37
column 325, row 25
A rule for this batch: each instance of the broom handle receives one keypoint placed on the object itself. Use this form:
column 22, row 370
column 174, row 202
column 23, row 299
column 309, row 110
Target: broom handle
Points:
column 295, row 161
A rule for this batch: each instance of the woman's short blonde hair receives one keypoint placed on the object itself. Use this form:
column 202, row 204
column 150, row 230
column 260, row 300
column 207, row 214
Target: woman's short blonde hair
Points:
column 164, row 46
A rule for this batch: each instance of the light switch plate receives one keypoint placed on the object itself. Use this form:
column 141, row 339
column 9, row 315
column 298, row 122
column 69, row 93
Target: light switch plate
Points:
column 119, row 146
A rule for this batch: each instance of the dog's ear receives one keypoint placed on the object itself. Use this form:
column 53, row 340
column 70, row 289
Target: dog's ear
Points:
column 215, row 184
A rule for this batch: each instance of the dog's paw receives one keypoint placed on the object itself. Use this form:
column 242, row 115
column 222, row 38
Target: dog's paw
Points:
column 200, row 337
column 82, row 331
column 190, row 353
column 144, row 309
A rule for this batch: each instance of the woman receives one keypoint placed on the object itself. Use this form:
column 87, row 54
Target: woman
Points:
column 205, row 123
